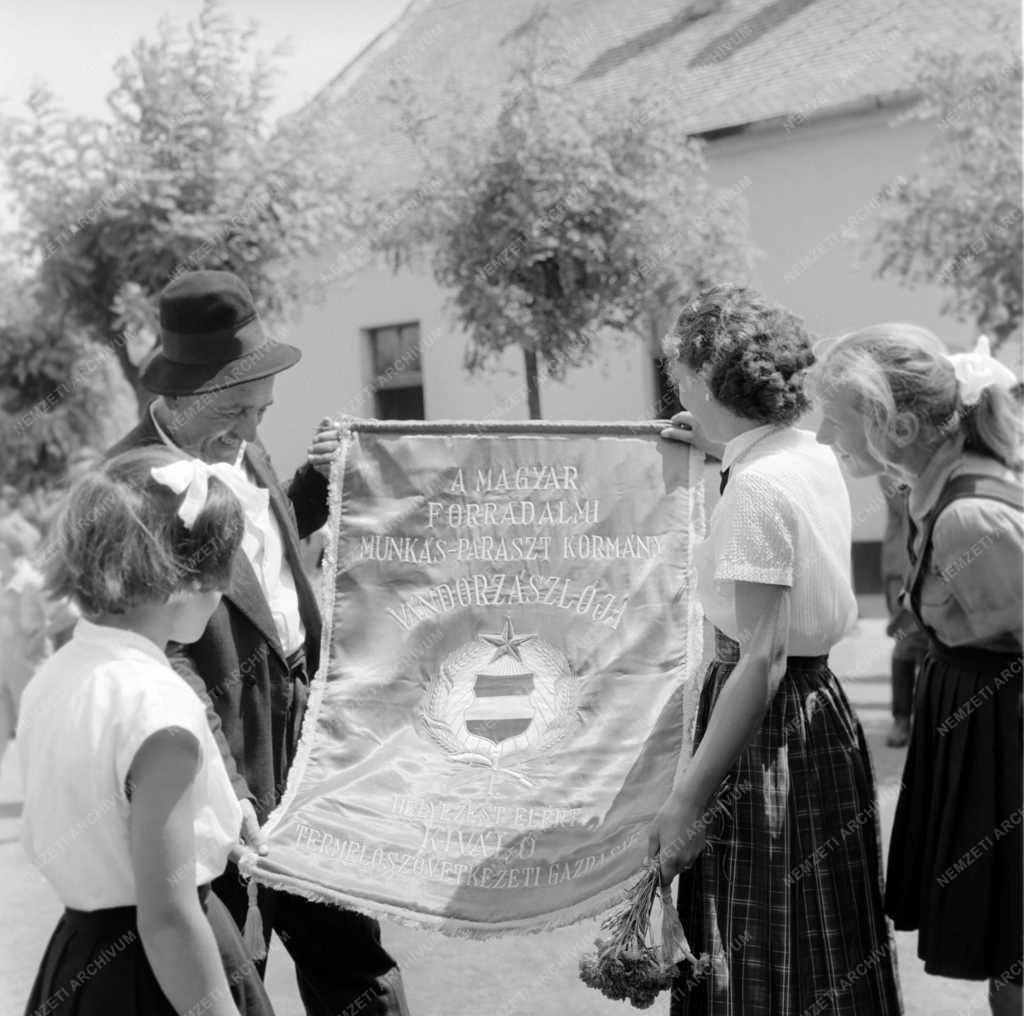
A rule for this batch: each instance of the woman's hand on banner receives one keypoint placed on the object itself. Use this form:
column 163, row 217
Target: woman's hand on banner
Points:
column 677, row 837
column 325, row 444
column 252, row 836
column 239, row 854
column 686, row 430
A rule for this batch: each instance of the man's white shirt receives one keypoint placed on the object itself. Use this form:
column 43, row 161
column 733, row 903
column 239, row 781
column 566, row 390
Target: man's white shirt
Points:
column 263, row 545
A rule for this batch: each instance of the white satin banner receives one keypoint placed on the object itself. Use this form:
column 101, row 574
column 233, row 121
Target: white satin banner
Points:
column 511, row 643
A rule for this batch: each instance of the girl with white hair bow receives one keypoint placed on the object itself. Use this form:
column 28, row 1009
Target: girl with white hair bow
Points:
column 108, row 731
column 895, row 402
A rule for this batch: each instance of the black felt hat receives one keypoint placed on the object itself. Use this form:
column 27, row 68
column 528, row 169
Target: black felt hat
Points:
column 211, row 338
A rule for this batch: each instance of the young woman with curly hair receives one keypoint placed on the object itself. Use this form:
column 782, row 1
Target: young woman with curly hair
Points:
column 773, row 826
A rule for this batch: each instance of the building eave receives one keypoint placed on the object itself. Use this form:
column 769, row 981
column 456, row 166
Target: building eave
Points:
column 902, row 99
column 356, row 67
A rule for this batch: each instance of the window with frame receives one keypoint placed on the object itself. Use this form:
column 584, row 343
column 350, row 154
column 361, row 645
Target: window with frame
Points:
column 396, row 357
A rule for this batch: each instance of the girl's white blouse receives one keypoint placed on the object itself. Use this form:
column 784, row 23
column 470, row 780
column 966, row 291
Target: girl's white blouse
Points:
column 83, row 718
column 783, row 520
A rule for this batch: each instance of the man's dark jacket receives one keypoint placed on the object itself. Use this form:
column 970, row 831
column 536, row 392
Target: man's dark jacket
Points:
column 238, row 667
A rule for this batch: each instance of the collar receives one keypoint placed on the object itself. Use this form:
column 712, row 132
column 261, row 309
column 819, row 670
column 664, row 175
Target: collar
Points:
column 156, row 425
column 742, row 443
column 927, row 487
column 170, row 444
column 123, row 638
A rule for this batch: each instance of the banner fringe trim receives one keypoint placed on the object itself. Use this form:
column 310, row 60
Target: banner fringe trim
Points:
column 450, row 926
column 325, row 598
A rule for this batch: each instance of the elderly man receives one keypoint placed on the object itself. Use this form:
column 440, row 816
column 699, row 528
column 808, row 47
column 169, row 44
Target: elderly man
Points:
column 214, row 375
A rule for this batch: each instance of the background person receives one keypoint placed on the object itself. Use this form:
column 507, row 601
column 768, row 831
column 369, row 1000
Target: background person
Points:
column 23, row 618
column 894, row 402
column 32, row 624
column 910, row 641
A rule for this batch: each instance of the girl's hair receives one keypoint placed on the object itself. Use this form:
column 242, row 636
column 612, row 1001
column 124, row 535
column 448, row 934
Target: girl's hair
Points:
column 119, row 542
column 901, row 368
column 752, row 353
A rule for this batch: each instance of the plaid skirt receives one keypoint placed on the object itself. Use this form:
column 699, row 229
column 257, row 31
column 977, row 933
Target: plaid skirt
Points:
column 956, row 848
column 786, row 897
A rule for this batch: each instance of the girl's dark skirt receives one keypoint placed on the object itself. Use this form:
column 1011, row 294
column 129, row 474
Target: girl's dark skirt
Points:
column 95, row 965
column 956, row 851
column 786, row 897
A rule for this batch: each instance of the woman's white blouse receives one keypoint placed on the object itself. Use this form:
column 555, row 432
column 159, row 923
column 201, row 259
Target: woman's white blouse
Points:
column 783, row 520
column 83, row 718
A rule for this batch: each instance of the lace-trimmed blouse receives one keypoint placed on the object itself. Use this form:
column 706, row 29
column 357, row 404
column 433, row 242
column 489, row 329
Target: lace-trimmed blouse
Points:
column 784, row 519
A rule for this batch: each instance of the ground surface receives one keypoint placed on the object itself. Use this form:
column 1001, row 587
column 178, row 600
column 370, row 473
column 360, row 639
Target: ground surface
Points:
column 529, row 975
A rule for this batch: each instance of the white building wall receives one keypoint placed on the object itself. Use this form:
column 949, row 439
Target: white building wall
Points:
column 336, row 372
column 803, row 186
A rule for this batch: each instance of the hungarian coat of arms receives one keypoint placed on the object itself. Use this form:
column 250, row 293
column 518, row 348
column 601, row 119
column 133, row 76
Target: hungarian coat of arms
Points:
column 501, row 696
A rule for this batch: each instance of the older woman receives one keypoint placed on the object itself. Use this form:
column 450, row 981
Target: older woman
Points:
column 893, row 401
column 774, row 822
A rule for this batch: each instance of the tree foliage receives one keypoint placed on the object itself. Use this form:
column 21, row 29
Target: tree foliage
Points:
column 957, row 222
column 563, row 220
column 58, row 391
column 184, row 173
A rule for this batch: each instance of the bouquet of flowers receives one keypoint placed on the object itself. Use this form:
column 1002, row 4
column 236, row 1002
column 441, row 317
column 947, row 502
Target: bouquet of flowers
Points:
column 628, row 965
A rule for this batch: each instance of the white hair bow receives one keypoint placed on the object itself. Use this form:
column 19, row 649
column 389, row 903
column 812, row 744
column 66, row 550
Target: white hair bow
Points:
column 978, row 370
column 191, row 477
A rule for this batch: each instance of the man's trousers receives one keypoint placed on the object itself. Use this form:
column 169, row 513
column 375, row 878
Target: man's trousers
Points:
column 340, row 965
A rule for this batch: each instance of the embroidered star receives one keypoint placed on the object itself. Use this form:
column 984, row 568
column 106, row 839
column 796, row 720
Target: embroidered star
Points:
column 507, row 643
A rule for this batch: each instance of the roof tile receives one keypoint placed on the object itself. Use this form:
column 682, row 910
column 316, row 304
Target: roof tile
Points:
column 728, row 62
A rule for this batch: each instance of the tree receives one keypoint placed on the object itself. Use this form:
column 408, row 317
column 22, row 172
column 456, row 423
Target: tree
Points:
column 184, row 174
column 58, row 391
column 566, row 220
column 957, row 222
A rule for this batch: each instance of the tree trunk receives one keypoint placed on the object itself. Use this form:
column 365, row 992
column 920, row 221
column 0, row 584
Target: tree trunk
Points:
column 532, row 381
column 119, row 347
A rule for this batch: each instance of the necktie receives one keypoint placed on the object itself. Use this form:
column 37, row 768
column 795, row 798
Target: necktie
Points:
column 723, row 480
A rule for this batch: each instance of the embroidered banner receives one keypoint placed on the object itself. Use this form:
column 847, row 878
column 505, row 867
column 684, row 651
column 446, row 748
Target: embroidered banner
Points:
column 510, row 644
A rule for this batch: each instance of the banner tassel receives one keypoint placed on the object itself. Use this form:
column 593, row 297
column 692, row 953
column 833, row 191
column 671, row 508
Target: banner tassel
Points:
column 252, row 935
